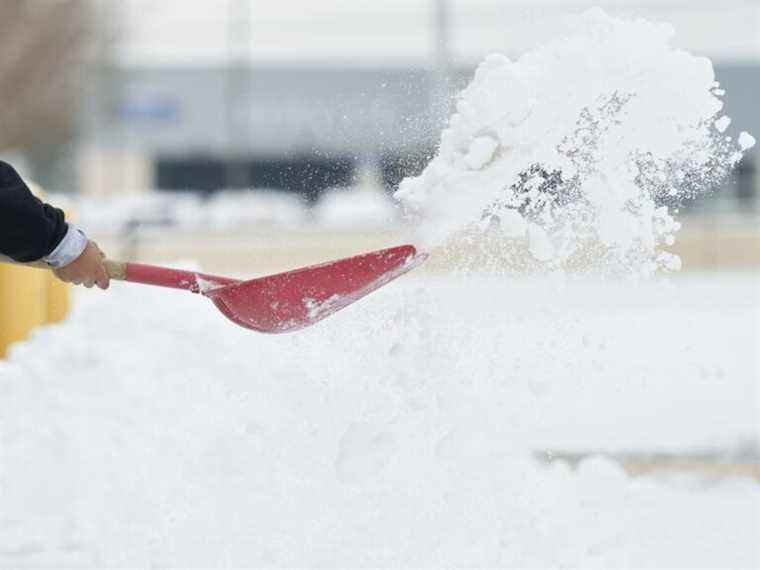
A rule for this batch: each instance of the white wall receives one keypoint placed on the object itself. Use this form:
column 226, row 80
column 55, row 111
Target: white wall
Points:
column 400, row 31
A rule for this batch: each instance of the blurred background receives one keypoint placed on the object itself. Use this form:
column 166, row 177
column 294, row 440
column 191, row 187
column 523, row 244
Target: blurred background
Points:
column 228, row 130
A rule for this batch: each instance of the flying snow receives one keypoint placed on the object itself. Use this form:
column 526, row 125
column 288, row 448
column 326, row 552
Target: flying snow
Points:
column 589, row 139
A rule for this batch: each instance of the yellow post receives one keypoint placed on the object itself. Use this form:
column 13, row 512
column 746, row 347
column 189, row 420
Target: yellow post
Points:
column 23, row 303
column 29, row 298
column 58, row 300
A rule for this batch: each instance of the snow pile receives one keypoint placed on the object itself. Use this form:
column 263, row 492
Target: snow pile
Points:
column 355, row 208
column 222, row 211
column 578, row 147
column 150, row 432
column 245, row 209
column 234, row 210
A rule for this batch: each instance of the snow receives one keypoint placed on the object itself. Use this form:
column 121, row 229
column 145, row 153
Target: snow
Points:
column 355, row 208
column 722, row 123
column 400, row 432
column 746, row 140
column 540, row 245
column 234, row 210
column 422, row 426
column 481, row 152
column 512, row 224
column 223, row 211
column 593, row 129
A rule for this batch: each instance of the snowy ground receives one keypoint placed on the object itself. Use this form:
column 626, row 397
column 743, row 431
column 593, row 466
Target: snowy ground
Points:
column 148, row 431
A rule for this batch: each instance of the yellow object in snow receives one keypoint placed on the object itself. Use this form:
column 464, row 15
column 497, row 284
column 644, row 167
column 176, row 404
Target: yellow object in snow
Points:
column 23, row 303
column 58, row 300
column 29, row 298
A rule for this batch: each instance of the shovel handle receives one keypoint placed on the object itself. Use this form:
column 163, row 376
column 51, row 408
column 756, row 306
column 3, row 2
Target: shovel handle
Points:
column 151, row 275
column 164, row 277
column 116, row 269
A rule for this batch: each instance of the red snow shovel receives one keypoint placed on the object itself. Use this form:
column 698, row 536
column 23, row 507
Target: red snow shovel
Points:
column 287, row 301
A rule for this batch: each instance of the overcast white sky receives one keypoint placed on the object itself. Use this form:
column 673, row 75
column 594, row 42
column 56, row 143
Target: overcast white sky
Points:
column 394, row 32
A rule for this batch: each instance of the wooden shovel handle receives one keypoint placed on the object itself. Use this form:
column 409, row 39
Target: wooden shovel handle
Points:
column 116, row 269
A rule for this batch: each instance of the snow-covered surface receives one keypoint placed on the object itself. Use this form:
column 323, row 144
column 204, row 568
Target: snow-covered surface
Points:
column 355, row 208
column 238, row 210
column 149, row 431
column 589, row 136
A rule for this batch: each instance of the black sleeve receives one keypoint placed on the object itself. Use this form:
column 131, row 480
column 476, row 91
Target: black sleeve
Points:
column 29, row 229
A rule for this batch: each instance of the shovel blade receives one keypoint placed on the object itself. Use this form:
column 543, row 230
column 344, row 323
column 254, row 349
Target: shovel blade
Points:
column 297, row 299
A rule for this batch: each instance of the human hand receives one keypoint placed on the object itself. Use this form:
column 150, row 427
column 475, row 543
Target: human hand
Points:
column 88, row 269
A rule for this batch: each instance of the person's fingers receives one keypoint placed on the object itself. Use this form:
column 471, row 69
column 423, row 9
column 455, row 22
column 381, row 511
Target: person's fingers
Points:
column 103, row 281
column 88, row 270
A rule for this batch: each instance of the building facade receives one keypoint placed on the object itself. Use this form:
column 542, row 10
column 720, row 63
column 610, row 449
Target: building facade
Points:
column 300, row 130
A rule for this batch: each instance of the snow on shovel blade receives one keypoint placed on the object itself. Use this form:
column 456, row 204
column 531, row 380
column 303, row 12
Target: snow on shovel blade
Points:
column 297, row 299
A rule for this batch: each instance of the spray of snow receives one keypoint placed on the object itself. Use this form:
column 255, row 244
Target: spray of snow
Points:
column 746, row 141
column 317, row 309
column 204, row 285
column 587, row 138
column 722, row 124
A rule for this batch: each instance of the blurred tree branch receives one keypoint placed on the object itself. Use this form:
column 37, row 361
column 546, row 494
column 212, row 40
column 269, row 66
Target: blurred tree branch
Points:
column 43, row 47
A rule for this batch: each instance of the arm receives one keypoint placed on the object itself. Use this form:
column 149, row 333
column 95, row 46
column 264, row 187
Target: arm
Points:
column 31, row 230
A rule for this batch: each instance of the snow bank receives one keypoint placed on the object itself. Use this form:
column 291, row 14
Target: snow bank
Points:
column 355, row 208
column 589, row 137
column 340, row 209
column 148, row 431
column 225, row 210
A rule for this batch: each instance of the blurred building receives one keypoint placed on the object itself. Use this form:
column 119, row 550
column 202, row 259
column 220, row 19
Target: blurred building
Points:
column 301, row 97
column 298, row 129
